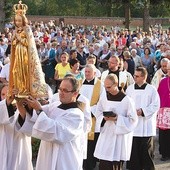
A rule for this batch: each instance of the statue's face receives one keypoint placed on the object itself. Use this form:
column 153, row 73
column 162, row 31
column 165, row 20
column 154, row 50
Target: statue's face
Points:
column 18, row 21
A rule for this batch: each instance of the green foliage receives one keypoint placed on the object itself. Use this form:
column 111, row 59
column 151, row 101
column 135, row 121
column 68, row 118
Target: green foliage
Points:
column 103, row 8
column 161, row 8
column 8, row 11
column 35, row 147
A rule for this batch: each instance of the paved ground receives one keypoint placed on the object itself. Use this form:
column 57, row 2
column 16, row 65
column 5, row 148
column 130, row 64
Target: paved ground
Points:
column 160, row 165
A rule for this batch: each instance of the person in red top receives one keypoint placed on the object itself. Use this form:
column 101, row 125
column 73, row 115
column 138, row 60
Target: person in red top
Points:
column 122, row 40
column 46, row 37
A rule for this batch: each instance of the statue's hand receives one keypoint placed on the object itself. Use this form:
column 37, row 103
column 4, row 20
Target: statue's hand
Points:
column 14, row 42
column 18, row 37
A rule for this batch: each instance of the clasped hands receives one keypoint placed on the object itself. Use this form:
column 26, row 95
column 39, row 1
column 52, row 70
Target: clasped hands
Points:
column 110, row 118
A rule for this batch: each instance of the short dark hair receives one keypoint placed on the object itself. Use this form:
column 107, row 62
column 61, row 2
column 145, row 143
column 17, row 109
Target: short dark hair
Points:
column 142, row 70
column 73, row 61
column 74, row 82
column 72, row 51
column 91, row 57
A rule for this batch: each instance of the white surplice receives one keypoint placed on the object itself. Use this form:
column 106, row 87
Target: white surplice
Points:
column 15, row 147
column 61, row 134
column 87, row 117
column 158, row 76
column 148, row 100
column 124, row 77
column 115, row 139
column 87, row 91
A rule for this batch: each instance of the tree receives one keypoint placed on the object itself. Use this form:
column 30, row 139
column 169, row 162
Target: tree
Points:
column 146, row 16
column 127, row 5
column 2, row 14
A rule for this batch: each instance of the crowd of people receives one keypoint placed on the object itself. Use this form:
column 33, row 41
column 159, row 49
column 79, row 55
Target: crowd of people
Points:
column 110, row 91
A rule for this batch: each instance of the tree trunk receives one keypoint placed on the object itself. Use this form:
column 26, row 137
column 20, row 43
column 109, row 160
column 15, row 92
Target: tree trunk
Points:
column 146, row 21
column 127, row 13
column 2, row 14
column 109, row 8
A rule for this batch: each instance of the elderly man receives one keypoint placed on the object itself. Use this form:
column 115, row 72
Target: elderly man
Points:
column 136, row 58
column 147, row 104
column 163, row 119
column 160, row 73
column 92, row 88
column 59, row 126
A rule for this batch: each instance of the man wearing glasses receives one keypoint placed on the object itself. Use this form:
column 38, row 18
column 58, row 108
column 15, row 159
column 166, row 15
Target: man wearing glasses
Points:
column 59, row 125
column 147, row 104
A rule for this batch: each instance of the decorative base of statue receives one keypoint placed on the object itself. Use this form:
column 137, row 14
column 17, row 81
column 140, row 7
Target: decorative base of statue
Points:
column 21, row 96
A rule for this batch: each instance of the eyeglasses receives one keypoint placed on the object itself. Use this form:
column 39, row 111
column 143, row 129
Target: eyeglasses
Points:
column 65, row 90
column 136, row 76
column 111, row 62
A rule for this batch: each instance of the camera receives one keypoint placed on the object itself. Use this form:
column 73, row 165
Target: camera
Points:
column 109, row 114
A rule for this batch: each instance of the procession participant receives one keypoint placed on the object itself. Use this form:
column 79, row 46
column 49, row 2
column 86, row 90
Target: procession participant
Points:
column 115, row 140
column 163, row 120
column 91, row 59
column 87, row 115
column 114, row 67
column 147, row 104
column 59, row 125
column 92, row 89
column 15, row 147
column 160, row 73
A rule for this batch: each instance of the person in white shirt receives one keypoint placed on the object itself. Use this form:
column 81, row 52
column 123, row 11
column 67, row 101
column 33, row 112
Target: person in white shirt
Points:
column 59, row 125
column 147, row 103
column 136, row 58
column 92, row 88
column 15, row 147
column 4, row 74
column 160, row 73
column 119, row 120
column 91, row 59
column 124, row 79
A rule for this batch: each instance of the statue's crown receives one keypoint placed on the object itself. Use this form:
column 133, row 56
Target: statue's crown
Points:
column 20, row 8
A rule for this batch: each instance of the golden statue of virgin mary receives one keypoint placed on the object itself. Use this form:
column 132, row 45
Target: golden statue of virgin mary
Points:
column 25, row 69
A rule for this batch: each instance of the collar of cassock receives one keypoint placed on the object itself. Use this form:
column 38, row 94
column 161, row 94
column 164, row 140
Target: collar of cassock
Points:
column 117, row 97
column 91, row 82
column 114, row 72
column 164, row 75
column 140, row 87
column 68, row 106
